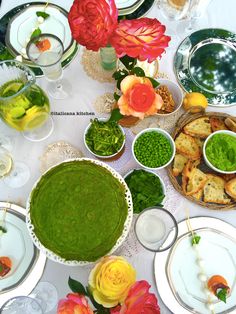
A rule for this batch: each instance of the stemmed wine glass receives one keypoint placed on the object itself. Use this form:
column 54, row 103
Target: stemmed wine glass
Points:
column 15, row 174
column 46, row 50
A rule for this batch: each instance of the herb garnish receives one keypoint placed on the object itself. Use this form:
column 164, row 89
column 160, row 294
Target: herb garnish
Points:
column 104, row 138
column 146, row 189
column 221, row 295
column 43, row 14
column 36, row 33
column 4, row 230
column 195, row 238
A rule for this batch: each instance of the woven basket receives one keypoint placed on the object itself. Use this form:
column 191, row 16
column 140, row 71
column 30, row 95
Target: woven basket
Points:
column 176, row 181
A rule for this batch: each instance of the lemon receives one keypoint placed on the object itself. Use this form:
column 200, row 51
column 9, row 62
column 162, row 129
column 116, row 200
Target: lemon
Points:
column 192, row 100
column 35, row 120
column 12, row 88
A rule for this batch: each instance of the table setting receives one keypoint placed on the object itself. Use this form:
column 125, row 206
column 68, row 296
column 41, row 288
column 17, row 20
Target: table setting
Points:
column 117, row 157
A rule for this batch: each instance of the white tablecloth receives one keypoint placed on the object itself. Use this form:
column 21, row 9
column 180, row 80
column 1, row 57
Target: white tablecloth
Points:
column 221, row 14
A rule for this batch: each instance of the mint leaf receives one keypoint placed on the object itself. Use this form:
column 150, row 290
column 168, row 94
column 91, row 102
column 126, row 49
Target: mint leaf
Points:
column 4, row 230
column 43, row 14
column 115, row 115
column 76, row 286
column 221, row 295
column 195, row 239
column 36, row 33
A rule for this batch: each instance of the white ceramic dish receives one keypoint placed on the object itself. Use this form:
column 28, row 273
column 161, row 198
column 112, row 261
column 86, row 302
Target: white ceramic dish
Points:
column 56, row 258
column 177, row 95
column 27, row 262
column 167, row 135
column 176, row 270
column 21, row 27
column 99, row 156
column 124, row 4
column 204, row 150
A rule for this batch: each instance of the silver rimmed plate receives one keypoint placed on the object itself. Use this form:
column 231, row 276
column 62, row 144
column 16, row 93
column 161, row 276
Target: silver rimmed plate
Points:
column 124, row 4
column 177, row 270
column 27, row 262
column 205, row 62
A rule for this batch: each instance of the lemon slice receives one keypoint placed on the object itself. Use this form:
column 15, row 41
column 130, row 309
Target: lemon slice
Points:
column 5, row 164
column 35, row 120
column 12, row 88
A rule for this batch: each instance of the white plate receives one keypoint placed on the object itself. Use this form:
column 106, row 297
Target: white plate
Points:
column 124, row 4
column 176, row 270
column 21, row 27
column 131, row 9
column 27, row 262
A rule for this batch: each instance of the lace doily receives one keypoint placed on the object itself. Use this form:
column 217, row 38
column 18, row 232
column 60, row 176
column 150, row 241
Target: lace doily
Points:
column 104, row 103
column 56, row 153
column 124, row 158
column 91, row 62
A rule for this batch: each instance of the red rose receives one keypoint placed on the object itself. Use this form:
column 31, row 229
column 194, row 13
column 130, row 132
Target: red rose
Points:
column 143, row 39
column 74, row 304
column 92, row 22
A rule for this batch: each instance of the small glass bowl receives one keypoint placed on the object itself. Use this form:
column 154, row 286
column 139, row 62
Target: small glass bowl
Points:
column 156, row 229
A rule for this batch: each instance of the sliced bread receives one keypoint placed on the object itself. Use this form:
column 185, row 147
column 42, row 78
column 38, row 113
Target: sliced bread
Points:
column 230, row 188
column 187, row 146
column 179, row 163
column 200, row 127
column 193, row 179
column 217, row 124
column 231, row 123
column 198, row 195
column 214, row 190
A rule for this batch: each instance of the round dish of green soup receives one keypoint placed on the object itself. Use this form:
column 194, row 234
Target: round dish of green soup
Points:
column 152, row 149
column 221, row 151
column 79, row 211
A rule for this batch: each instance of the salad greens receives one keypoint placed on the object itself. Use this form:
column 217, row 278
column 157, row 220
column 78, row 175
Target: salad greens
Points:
column 104, row 138
column 146, row 189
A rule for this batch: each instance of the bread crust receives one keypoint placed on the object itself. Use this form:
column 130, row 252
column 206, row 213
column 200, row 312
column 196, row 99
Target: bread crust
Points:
column 230, row 188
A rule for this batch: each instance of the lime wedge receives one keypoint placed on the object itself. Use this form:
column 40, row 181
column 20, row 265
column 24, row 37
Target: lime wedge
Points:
column 35, row 120
column 17, row 112
column 12, row 88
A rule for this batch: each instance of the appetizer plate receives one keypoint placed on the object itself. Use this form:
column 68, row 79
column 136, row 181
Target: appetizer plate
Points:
column 81, row 234
column 176, row 270
column 16, row 25
column 27, row 262
column 124, row 4
column 205, row 61
column 140, row 10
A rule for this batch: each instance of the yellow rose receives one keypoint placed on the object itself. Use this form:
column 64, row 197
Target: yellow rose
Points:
column 110, row 280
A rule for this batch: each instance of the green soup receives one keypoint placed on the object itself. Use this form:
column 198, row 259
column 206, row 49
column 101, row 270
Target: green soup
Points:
column 78, row 210
column 221, row 151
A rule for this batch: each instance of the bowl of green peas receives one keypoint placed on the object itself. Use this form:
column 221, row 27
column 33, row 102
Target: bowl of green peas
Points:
column 153, row 148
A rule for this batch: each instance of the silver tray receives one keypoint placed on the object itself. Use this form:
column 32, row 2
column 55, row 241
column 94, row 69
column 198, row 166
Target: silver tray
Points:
column 205, row 62
column 27, row 277
column 176, row 270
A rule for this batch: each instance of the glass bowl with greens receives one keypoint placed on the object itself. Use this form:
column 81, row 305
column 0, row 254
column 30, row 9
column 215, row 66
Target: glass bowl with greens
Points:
column 104, row 139
column 146, row 187
column 219, row 151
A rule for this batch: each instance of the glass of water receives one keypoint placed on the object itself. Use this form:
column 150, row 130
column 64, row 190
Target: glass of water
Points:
column 21, row 305
column 46, row 50
column 156, row 229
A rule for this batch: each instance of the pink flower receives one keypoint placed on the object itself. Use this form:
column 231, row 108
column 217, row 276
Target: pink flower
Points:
column 143, row 39
column 74, row 304
column 139, row 301
column 92, row 22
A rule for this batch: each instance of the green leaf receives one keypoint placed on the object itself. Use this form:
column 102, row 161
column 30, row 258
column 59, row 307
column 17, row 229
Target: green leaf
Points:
column 4, row 230
column 115, row 115
column 195, row 239
column 128, row 62
column 120, row 74
column 1, row 268
column 221, row 295
column 76, row 286
column 43, row 14
column 153, row 81
column 138, row 71
column 116, row 96
column 36, row 33
column 99, row 307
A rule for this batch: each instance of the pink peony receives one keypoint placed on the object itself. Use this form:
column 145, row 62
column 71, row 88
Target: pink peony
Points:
column 74, row 304
column 143, row 39
column 92, row 22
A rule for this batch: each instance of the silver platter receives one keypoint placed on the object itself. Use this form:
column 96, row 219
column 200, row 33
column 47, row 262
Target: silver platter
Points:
column 34, row 272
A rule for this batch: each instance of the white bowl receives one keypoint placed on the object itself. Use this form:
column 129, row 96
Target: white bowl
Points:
column 167, row 135
column 100, row 156
column 151, row 171
column 176, row 93
column 204, row 150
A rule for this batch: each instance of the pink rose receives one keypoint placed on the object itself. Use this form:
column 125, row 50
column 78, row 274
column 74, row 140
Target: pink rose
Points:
column 74, row 304
column 139, row 301
column 142, row 38
column 92, row 22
